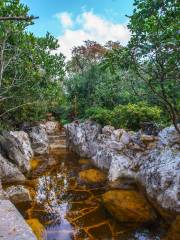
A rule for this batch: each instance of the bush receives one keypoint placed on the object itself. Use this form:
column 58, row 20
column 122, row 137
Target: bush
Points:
column 101, row 115
column 130, row 116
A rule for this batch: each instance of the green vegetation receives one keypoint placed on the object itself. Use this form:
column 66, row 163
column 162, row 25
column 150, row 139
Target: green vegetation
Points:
column 112, row 84
column 30, row 76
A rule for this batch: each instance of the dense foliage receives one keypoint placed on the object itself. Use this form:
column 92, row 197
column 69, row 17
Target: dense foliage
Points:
column 30, row 76
column 120, row 78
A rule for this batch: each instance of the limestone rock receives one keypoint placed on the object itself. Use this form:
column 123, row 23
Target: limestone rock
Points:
column 155, row 165
column 17, row 148
column 116, row 135
column 39, row 139
column 92, row 176
column 79, row 138
column 116, row 145
column 120, row 167
column 160, row 174
column 107, row 130
column 24, row 140
column 18, row 194
column 169, row 136
column 128, row 206
column 9, row 172
column 12, row 224
column 125, row 138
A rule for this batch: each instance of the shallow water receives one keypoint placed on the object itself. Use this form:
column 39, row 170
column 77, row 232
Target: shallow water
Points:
column 69, row 208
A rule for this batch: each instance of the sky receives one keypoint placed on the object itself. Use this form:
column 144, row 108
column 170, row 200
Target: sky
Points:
column 74, row 21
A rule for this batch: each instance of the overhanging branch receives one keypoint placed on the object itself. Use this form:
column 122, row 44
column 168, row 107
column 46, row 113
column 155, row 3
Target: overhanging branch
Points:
column 19, row 18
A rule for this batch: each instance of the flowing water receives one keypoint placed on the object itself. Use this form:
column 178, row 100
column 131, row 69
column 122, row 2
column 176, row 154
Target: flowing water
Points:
column 64, row 207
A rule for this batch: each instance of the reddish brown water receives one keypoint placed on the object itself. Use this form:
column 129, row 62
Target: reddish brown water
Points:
column 71, row 209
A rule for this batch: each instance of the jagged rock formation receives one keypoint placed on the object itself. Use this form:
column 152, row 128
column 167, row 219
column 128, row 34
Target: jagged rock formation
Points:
column 152, row 161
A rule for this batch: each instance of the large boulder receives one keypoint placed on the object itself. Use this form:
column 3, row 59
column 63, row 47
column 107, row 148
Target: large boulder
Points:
column 128, row 206
column 81, row 137
column 18, row 194
column 160, row 171
column 17, row 148
column 39, row 139
column 12, row 224
column 9, row 171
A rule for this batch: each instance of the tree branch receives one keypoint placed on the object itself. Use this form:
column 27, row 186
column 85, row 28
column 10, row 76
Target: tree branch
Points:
column 19, row 18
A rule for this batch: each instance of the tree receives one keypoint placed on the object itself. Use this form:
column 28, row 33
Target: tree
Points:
column 153, row 50
column 30, row 75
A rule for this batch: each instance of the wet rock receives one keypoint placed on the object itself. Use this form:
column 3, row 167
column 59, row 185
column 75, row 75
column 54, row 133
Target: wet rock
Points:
column 128, row 206
column 17, row 148
column 18, row 194
column 35, row 162
column 92, row 176
column 39, row 139
column 12, row 224
column 37, row 228
column 9, row 172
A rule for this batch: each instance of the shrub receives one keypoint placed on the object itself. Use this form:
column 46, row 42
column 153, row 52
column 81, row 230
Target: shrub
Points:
column 130, row 116
column 101, row 115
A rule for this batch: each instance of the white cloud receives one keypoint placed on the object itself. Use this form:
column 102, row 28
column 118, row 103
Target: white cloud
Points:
column 91, row 27
column 65, row 19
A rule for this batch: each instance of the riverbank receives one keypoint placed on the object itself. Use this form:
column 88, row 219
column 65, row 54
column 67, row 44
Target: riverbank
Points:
column 151, row 162
column 17, row 150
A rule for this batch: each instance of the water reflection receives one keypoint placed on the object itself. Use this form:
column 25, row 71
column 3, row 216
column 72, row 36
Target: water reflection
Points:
column 69, row 208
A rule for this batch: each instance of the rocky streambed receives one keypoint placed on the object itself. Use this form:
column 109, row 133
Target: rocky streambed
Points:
column 118, row 185
column 150, row 162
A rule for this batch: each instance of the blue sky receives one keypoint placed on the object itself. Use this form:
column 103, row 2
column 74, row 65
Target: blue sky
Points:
column 73, row 21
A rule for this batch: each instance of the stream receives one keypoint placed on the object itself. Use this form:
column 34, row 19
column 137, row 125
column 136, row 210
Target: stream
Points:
column 65, row 207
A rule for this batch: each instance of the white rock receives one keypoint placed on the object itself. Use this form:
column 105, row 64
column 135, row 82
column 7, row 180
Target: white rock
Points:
column 24, row 140
column 12, row 224
column 39, row 139
column 9, row 172
column 107, row 130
